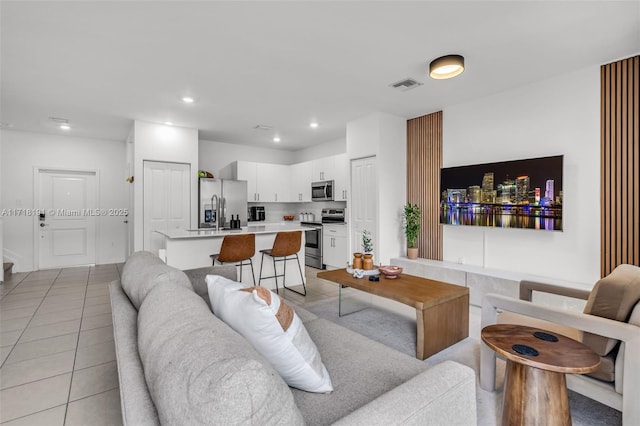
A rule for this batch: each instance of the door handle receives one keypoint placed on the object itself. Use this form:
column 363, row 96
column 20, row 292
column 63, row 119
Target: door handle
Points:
column 42, row 225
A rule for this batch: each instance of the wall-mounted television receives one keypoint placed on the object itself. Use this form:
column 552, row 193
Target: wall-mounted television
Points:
column 509, row 194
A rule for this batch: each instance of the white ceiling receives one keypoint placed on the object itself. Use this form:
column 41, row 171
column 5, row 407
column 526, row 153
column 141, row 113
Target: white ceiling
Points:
column 104, row 64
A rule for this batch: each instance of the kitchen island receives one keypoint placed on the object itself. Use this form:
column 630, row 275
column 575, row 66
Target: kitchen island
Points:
column 191, row 248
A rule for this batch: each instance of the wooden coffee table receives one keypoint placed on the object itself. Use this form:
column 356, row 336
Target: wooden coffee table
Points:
column 535, row 389
column 442, row 310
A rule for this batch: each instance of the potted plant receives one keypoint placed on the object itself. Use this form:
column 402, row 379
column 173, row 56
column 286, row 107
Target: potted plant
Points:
column 411, row 216
column 367, row 247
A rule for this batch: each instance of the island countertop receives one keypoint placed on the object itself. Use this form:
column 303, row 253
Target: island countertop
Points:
column 189, row 249
column 267, row 228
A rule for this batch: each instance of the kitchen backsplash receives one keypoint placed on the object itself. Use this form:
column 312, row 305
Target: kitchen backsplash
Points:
column 274, row 212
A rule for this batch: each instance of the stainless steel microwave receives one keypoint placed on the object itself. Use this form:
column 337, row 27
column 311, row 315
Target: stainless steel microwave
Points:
column 322, row 191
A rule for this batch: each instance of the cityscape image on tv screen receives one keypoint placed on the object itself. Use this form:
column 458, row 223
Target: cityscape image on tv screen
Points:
column 509, row 194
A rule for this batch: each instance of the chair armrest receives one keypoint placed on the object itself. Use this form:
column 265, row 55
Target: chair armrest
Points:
column 528, row 287
column 627, row 333
column 443, row 394
column 578, row 320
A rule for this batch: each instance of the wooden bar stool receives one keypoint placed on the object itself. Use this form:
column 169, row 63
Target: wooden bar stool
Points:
column 237, row 248
column 285, row 247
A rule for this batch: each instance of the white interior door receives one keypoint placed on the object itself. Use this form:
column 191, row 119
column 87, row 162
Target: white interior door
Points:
column 66, row 225
column 167, row 200
column 364, row 201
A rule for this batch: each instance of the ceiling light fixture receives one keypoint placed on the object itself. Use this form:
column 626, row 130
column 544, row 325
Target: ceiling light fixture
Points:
column 276, row 138
column 313, row 125
column 65, row 126
column 168, row 123
column 446, row 67
column 188, row 99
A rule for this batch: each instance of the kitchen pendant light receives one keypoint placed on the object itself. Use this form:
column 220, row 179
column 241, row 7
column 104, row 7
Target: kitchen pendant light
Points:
column 446, row 67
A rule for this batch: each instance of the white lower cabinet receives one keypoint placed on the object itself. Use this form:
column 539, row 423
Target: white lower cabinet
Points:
column 335, row 246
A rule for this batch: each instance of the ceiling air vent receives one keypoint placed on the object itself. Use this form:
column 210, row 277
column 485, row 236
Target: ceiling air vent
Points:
column 406, row 84
column 262, row 127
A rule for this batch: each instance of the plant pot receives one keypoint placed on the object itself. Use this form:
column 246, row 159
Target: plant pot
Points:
column 412, row 253
column 357, row 261
column 367, row 262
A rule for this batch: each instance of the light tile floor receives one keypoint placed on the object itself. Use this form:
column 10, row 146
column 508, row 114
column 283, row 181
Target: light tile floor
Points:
column 57, row 354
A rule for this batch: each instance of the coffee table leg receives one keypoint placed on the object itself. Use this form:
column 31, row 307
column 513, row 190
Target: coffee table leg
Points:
column 534, row 397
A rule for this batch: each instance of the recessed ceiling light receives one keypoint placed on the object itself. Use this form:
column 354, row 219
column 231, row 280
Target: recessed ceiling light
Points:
column 276, row 138
column 65, row 126
column 446, row 67
column 168, row 123
column 187, row 99
column 313, row 124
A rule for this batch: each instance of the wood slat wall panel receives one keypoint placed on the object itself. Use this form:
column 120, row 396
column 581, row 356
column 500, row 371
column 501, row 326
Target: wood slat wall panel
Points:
column 620, row 155
column 424, row 160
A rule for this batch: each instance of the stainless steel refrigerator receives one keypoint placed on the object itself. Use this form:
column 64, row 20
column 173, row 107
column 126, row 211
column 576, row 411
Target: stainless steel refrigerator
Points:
column 220, row 199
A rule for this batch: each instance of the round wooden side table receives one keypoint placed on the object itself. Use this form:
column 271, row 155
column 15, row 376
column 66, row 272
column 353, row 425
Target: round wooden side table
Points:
column 535, row 388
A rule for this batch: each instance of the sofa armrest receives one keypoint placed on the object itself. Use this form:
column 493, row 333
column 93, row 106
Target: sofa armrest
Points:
column 444, row 394
column 135, row 401
column 528, row 287
column 197, row 276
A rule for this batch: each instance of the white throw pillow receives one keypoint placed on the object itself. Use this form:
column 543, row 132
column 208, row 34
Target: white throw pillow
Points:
column 274, row 330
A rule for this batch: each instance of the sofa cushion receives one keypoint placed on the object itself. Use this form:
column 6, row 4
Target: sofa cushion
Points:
column 199, row 371
column 274, row 330
column 143, row 271
column 361, row 370
column 613, row 297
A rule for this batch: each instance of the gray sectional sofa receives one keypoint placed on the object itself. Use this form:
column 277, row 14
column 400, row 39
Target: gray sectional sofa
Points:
column 178, row 364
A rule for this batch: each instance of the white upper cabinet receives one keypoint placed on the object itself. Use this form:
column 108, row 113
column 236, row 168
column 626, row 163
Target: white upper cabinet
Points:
column 301, row 177
column 322, row 169
column 266, row 183
column 341, row 167
column 271, row 183
column 246, row 170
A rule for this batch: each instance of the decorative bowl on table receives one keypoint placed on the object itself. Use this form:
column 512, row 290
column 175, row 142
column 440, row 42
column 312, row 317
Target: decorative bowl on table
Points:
column 289, row 217
column 390, row 271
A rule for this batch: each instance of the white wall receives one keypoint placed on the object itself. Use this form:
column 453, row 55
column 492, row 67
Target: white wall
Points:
column 551, row 117
column 326, row 149
column 216, row 156
column 23, row 151
column 385, row 136
column 157, row 142
column 1, row 223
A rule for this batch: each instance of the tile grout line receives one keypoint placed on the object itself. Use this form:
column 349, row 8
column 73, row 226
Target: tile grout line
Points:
column 66, row 410
column 31, row 414
column 75, row 355
column 30, row 319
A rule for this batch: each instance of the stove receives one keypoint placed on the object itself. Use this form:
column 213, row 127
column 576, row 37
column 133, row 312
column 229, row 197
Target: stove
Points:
column 313, row 236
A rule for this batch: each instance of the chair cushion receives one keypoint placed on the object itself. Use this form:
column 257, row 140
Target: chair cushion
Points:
column 635, row 315
column 201, row 372
column 613, row 297
column 606, row 370
column 143, row 271
column 274, row 330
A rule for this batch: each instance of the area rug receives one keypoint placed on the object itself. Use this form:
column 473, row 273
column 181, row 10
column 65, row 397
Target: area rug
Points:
column 399, row 332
